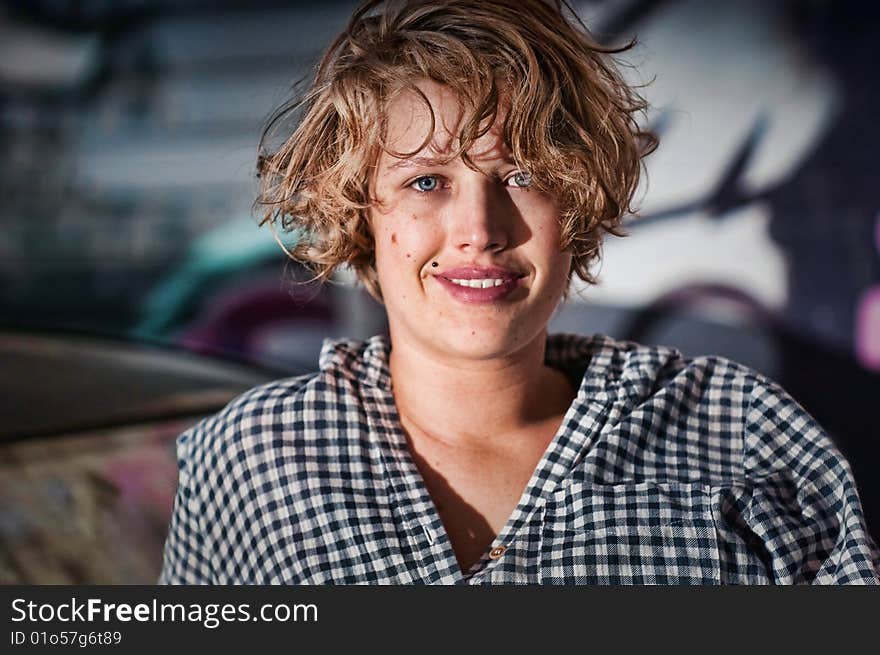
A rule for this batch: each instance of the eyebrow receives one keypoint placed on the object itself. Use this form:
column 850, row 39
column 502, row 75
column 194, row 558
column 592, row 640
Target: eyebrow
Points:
column 420, row 161
column 414, row 162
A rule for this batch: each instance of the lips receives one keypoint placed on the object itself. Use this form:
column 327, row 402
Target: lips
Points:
column 478, row 284
column 480, row 272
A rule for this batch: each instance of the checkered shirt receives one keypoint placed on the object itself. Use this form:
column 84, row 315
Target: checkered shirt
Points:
column 665, row 470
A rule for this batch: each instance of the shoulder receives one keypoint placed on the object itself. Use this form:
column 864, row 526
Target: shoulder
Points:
column 779, row 492
column 634, row 373
column 764, row 428
column 721, row 420
column 249, row 413
column 291, row 415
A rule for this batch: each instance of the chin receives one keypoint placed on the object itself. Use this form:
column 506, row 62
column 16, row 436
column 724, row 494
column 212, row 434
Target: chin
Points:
column 483, row 345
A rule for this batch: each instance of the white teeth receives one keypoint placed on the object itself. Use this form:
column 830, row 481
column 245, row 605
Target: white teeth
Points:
column 479, row 284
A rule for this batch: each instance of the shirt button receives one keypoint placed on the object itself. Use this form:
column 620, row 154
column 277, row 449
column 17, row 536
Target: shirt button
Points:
column 497, row 552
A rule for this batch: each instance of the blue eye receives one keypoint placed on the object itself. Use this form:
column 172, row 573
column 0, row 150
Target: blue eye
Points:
column 519, row 179
column 425, row 183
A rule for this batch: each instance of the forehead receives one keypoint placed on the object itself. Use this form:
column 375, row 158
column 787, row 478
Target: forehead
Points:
column 409, row 123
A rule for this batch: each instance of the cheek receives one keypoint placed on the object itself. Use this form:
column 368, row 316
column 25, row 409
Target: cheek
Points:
column 548, row 235
column 388, row 240
column 564, row 269
column 541, row 215
column 394, row 243
column 402, row 244
column 412, row 238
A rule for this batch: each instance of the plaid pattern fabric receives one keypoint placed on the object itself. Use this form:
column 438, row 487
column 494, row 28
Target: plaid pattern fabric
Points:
column 665, row 470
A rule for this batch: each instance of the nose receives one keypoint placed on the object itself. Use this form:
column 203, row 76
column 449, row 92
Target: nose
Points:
column 480, row 220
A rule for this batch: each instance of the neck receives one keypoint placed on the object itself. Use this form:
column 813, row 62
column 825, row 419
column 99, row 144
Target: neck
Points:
column 477, row 403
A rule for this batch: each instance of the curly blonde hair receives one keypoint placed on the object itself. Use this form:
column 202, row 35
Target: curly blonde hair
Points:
column 569, row 116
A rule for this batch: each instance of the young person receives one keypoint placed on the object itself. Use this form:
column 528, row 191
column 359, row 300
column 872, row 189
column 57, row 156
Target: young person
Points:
column 466, row 158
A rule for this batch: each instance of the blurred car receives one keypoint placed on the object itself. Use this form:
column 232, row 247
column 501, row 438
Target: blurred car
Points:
column 88, row 469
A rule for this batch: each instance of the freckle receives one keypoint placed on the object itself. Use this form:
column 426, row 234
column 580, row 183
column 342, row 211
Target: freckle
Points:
column 393, row 238
column 408, row 255
column 414, row 217
column 473, row 332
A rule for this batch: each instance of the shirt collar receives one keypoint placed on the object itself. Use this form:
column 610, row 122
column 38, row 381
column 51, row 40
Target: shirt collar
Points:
column 366, row 360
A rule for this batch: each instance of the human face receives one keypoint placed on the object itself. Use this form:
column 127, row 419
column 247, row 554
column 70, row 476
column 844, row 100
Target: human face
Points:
column 485, row 225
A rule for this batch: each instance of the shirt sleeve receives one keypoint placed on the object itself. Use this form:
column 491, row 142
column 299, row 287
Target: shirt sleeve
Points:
column 185, row 556
column 804, row 508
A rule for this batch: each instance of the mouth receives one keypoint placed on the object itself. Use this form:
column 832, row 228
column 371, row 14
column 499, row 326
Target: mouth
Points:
column 479, row 285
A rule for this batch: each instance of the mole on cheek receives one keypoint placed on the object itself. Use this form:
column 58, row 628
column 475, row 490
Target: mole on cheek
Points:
column 393, row 238
column 408, row 255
